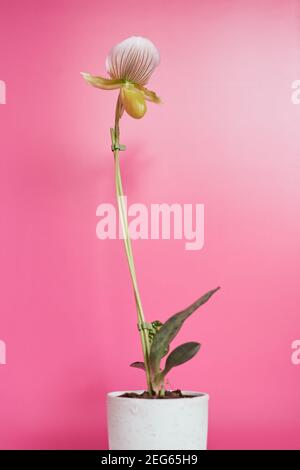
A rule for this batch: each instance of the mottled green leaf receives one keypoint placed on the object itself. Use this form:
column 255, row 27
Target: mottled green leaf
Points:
column 138, row 365
column 180, row 355
column 155, row 326
column 169, row 330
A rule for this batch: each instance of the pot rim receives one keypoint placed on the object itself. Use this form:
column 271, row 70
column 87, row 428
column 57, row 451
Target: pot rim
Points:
column 116, row 395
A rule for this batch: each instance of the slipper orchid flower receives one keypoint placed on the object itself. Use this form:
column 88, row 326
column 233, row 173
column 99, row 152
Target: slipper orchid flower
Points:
column 130, row 65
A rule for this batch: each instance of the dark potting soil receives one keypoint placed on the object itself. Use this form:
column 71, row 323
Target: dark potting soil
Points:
column 167, row 396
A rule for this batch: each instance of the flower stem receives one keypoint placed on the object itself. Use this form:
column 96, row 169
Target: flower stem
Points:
column 115, row 136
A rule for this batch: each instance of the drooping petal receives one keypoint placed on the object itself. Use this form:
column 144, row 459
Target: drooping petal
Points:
column 134, row 102
column 103, row 83
column 133, row 59
column 149, row 95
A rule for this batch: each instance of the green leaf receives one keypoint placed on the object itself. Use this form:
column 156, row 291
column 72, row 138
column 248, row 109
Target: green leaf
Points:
column 155, row 326
column 180, row 355
column 169, row 330
column 138, row 365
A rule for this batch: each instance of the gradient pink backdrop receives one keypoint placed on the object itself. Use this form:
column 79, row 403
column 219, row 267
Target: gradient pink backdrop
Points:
column 227, row 136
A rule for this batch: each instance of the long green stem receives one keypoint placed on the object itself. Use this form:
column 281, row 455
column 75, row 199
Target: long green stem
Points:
column 115, row 135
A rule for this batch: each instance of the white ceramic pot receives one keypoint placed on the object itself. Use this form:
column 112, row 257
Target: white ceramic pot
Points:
column 140, row 423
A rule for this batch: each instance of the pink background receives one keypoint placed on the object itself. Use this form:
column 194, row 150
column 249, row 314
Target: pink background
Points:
column 227, row 135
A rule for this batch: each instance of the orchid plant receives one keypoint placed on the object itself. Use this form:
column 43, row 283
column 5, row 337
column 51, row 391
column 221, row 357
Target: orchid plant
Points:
column 130, row 65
